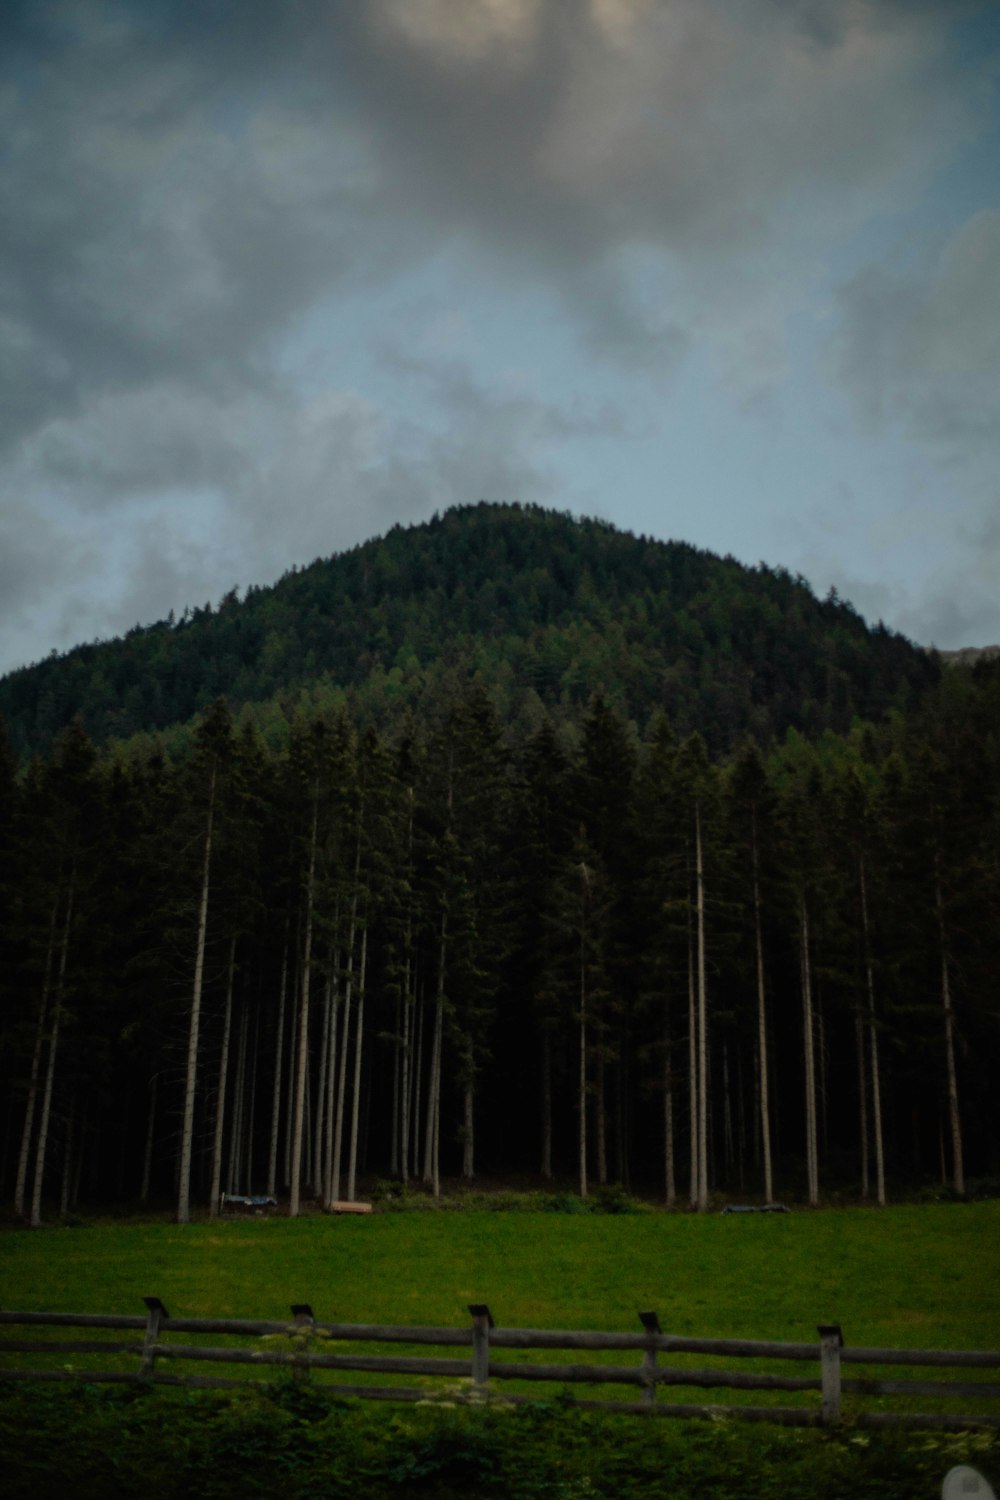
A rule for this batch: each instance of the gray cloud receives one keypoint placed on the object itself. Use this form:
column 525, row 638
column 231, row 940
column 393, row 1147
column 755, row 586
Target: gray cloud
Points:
column 920, row 345
column 162, row 224
column 182, row 185
column 42, row 560
column 559, row 139
column 209, row 498
column 584, row 127
column 955, row 607
column 947, row 597
column 179, row 184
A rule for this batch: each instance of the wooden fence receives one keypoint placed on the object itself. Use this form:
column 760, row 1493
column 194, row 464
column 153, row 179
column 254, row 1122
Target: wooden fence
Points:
column 302, row 1347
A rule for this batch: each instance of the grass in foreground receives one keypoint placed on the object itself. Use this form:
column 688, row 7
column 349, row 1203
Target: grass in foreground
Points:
column 923, row 1277
column 918, row 1277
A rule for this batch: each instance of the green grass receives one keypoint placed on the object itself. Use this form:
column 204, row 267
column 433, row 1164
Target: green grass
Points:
column 915, row 1276
column 919, row 1277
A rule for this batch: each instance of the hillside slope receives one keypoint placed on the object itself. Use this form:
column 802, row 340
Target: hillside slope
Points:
column 541, row 605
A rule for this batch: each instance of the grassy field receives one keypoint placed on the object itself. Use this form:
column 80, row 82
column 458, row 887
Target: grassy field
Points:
column 923, row 1277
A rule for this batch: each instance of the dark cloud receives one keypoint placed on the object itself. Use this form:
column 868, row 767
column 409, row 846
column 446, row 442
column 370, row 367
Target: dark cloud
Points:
column 180, row 182
column 919, row 345
column 182, row 185
column 231, row 495
column 42, row 560
column 165, row 219
column 946, row 617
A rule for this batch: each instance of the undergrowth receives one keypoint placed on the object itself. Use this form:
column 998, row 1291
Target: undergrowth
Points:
column 290, row 1440
column 395, row 1197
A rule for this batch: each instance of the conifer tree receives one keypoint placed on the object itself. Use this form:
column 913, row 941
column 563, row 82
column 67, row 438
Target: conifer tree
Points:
column 752, row 819
column 208, row 778
column 803, row 797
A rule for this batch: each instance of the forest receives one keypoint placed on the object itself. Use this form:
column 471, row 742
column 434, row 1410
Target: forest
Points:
column 305, row 944
column 542, row 607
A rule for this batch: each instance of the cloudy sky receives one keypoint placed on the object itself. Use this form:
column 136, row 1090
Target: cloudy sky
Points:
column 277, row 276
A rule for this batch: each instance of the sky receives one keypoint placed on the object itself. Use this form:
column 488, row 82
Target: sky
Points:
column 278, row 276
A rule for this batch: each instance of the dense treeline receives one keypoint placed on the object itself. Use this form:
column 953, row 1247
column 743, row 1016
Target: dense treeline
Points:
column 543, row 607
column 454, row 949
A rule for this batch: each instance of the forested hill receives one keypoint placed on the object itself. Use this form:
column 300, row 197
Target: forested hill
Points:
column 542, row 606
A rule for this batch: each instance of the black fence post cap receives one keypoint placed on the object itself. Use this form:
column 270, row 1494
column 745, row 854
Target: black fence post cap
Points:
column 650, row 1321
column 302, row 1310
column 831, row 1331
column 481, row 1310
column 155, row 1305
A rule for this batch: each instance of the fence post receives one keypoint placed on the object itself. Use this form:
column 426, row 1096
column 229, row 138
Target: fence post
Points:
column 651, row 1323
column 155, row 1314
column 482, row 1322
column 831, row 1341
column 304, row 1324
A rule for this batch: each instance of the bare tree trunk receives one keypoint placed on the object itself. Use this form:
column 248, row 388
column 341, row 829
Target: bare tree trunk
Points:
column 248, row 1127
column 232, row 1158
column 434, row 1095
column 670, row 1180
column 436, row 1138
column 43, row 1123
column 468, row 1114
column 272, row 1159
column 397, row 1085
column 302, row 1066
column 190, row 1080
column 859, row 1042
column 307, row 1115
column 600, row 1105
column 408, row 1016
column 64, row 1190
column 359, row 1032
column 741, row 1121
column 728, row 1134
column 765, row 1113
column 954, row 1117
column 331, row 1082
column 36, row 1064
column 702, row 1021
column 293, row 1050
column 812, row 1155
column 546, row 1165
column 822, row 1097
column 323, row 1095
column 877, row 1115
column 342, row 1082
column 237, row 1132
column 220, row 1096
column 338, row 1137
column 582, row 1087
column 873, row 1039
column 406, row 1076
column 622, row 1102
column 432, row 1153
column 417, row 1069
column 692, row 1073
column 147, row 1156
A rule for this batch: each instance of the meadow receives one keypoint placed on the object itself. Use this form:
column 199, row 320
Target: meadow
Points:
column 917, row 1276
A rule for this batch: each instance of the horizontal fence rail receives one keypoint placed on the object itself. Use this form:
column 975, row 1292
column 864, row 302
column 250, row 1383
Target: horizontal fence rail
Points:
column 306, row 1348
